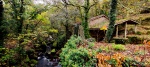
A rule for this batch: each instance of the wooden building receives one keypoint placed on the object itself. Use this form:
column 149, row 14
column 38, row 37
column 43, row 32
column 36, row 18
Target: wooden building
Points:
column 123, row 25
column 98, row 26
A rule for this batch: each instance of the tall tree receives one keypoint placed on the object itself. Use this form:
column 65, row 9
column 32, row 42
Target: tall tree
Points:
column 23, row 14
column 63, row 15
column 18, row 10
column 21, row 20
column 85, row 14
column 128, row 8
column 2, row 34
column 66, row 25
column 112, row 17
column 85, row 19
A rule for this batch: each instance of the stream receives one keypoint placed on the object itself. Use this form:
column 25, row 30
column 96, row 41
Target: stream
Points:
column 48, row 60
column 43, row 61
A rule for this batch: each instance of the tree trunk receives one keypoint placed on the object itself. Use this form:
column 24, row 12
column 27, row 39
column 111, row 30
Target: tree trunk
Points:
column 1, row 19
column 21, row 20
column 76, row 29
column 112, row 17
column 85, row 20
column 66, row 25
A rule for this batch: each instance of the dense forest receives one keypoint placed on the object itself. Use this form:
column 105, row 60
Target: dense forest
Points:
column 74, row 33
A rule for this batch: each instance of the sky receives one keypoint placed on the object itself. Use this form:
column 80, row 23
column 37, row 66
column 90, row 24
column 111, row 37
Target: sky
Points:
column 42, row 1
column 38, row 2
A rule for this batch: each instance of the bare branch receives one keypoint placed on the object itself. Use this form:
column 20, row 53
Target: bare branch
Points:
column 71, row 4
column 95, row 2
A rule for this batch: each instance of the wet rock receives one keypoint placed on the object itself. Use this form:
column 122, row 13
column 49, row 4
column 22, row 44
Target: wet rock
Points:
column 43, row 62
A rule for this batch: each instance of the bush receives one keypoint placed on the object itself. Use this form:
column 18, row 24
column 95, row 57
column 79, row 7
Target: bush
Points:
column 130, row 62
column 118, row 47
column 72, row 56
column 139, row 33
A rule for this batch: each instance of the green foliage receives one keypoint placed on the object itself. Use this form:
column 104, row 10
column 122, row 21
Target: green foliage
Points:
column 6, row 56
column 72, row 56
column 25, row 50
column 112, row 62
column 118, row 47
column 53, row 31
column 112, row 17
column 60, row 40
column 105, row 48
column 131, row 62
column 90, row 45
column 99, row 50
column 139, row 33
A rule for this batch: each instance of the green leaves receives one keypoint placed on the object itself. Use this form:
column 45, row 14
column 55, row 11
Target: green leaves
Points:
column 118, row 47
column 71, row 56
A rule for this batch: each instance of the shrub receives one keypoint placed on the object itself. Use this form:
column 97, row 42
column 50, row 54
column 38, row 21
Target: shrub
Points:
column 105, row 49
column 139, row 33
column 99, row 50
column 132, row 62
column 71, row 56
column 118, row 47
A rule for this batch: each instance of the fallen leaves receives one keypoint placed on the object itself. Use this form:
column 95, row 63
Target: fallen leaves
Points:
column 103, row 58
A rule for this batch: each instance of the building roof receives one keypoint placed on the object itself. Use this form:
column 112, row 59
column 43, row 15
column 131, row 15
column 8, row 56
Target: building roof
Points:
column 98, row 21
column 126, row 21
column 102, row 22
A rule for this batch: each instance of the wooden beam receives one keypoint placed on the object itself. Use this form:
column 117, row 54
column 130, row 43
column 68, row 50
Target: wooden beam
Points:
column 125, row 30
column 117, row 31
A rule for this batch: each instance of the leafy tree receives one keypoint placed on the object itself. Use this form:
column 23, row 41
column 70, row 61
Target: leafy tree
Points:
column 22, row 15
column 112, row 17
column 127, row 8
column 63, row 16
column 18, row 22
column 100, row 8
column 84, row 5
column 18, row 11
column 2, row 31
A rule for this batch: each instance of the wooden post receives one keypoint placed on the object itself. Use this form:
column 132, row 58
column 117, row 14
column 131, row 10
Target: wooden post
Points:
column 117, row 31
column 125, row 30
column 135, row 28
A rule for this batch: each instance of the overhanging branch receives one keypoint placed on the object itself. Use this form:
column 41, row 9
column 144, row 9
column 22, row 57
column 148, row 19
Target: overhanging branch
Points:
column 95, row 2
column 71, row 4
